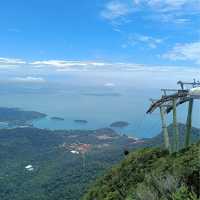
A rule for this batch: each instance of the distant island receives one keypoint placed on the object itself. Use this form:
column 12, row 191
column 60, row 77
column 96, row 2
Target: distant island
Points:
column 119, row 124
column 110, row 94
column 18, row 115
column 81, row 121
column 58, row 118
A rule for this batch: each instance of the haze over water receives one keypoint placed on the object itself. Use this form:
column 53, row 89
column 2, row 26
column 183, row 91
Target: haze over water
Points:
column 99, row 104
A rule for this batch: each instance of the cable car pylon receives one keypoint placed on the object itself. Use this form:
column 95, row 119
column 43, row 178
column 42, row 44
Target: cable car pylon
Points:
column 168, row 102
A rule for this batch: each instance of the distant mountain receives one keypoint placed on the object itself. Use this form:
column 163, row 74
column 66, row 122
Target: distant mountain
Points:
column 157, row 140
column 40, row 164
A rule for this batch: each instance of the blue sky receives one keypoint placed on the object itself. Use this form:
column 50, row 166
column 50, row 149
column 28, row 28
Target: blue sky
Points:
column 57, row 36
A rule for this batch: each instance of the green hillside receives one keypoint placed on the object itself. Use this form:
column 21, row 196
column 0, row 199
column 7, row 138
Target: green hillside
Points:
column 151, row 174
column 58, row 173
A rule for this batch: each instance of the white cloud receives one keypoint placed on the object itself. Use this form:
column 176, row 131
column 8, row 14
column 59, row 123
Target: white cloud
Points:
column 168, row 5
column 66, row 64
column 58, row 63
column 151, row 42
column 33, row 72
column 29, row 79
column 11, row 61
column 185, row 52
column 173, row 11
column 116, row 9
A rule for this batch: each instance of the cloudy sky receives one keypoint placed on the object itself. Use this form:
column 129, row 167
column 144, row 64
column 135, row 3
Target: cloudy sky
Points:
column 41, row 37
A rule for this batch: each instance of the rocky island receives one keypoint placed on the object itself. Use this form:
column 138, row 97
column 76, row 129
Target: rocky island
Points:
column 57, row 118
column 119, row 124
column 81, row 121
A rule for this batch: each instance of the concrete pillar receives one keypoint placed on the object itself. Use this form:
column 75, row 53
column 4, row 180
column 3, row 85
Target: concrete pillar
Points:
column 175, row 147
column 189, row 124
column 164, row 128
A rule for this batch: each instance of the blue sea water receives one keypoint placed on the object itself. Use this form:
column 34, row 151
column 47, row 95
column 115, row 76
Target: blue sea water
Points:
column 99, row 106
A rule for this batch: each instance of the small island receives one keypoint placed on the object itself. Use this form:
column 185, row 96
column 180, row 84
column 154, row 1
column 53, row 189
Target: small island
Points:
column 57, row 118
column 81, row 121
column 119, row 124
column 105, row 94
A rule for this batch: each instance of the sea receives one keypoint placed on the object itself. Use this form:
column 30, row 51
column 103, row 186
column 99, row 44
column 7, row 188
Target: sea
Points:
column 99, row 105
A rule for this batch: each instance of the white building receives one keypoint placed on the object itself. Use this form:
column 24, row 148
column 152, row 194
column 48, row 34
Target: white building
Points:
column 74, row 152
column 29, row 168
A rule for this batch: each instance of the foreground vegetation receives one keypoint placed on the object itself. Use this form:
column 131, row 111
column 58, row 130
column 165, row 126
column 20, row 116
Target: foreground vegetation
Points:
column 152, row 174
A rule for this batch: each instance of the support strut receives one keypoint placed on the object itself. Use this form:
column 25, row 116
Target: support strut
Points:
column 189, row 124
column 176, row 130
column 164, row 127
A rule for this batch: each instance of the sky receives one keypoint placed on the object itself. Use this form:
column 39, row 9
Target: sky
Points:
column 42, row 39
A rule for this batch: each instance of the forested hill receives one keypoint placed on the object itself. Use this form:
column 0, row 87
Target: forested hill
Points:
column 151, row 174
column 40, row 164
column 157, row 140
column 16, row 114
